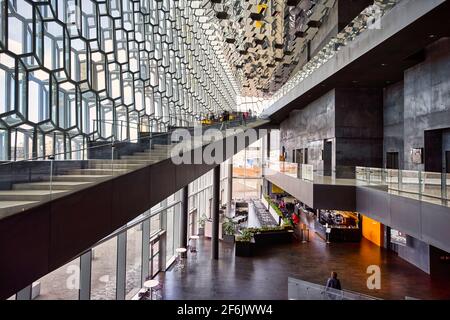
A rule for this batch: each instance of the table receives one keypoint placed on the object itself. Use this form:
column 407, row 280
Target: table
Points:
column 150, row 284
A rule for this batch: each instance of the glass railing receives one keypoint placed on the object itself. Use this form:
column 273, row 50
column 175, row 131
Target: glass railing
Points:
column 431, row 187
column 427, row 186
column 296, row 170
column 303, row 290
column 31, row 182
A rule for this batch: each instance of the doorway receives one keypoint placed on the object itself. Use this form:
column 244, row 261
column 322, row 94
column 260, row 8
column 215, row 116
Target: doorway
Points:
column 154, row 263
column 301, row 156
column 392, row 160
column 327, row 158
column 447, row 161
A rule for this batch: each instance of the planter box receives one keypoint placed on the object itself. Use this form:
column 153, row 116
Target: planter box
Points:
column 274, row 237
column 244, row 249
column 228, row 238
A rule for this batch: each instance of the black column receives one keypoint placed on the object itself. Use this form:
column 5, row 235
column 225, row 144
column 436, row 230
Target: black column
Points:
column 215, row 213
column 268, row 145
column 184, row 218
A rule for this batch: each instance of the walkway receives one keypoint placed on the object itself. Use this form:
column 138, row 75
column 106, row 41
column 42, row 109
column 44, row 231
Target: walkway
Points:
column 265, row 275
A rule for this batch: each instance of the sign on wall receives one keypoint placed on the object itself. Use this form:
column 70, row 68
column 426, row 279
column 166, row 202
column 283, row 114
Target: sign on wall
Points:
column 417, row 155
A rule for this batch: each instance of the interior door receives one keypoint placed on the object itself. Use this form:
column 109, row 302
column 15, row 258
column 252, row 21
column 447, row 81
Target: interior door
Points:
column 447, row 161
column 327, row 158
column 392, row 160
column 299, row 156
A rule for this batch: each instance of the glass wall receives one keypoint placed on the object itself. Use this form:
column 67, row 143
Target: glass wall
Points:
column 154, row 266
column 247, row 172
column 61, row 284
column 133, row 261
column 170, row 230
column 162, row 223
column 155, row 223
column 104, row 269
column 181, row 78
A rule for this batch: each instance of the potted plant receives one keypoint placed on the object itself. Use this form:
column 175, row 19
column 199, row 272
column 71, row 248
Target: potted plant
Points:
column 201, row 225
column 229, row 229
column 244, row 244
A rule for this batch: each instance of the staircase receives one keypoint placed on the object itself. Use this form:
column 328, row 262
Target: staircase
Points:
column 26, row 195
column 46, row 222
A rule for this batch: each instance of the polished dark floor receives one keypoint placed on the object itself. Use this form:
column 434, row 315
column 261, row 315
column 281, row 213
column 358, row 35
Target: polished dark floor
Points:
column 265, row 276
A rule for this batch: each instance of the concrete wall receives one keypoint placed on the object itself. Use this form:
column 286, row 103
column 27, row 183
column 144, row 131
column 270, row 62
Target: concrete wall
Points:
column 351, row 118
column 427, row 98
column 419, row 103
column 309, row 127
column 393, row 121
column 416, row 252
column 358, row 129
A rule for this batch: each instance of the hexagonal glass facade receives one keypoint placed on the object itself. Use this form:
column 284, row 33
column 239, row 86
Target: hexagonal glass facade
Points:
column 79, row 70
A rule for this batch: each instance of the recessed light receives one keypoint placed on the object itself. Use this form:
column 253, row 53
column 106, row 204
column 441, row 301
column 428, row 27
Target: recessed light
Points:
column 384, row 64
column 432, row 36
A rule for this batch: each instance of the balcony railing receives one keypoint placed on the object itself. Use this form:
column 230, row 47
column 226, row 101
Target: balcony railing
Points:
column 422, row 185
column 433, row 187
column 296, row 170
column 302, row 290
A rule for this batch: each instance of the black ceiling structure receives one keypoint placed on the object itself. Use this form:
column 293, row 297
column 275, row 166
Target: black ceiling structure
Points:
column 384, row 64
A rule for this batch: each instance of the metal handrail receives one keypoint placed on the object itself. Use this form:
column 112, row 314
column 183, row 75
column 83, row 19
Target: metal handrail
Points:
column 112, row 143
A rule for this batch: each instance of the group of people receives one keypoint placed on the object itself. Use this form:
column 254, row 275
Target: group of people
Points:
column 227, row 116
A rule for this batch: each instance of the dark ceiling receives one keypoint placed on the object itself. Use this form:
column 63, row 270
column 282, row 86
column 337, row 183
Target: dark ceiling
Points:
column 383, row 65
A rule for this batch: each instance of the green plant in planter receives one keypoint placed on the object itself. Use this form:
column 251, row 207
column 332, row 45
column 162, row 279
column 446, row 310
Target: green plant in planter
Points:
column 287, row 223
column 246, row 236
column 271, row 228
column 274, row 206
column 229, row 227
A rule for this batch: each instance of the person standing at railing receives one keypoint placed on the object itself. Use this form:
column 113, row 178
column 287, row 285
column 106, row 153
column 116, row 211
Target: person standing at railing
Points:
column 334, row 283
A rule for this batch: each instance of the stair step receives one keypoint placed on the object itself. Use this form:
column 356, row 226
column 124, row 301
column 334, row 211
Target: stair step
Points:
column 8, row 208
column 81, row 178
column 55, row 185
column 91, row 172
column 144, row 157
column 29, row 195
column 151, row 154
column 128, row 166
column 122, row 161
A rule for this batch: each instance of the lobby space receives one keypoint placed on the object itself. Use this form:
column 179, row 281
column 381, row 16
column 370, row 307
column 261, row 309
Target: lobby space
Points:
column 265, row 276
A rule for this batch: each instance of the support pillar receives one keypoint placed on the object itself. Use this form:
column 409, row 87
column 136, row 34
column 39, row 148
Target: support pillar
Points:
column 268, row 145
column 184, row 217
column 25, row 293
column 121, row 266
column 215, row 213
column 85, row 275
column 230, row 188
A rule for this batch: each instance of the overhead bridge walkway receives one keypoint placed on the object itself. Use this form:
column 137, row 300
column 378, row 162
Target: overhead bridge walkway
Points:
column 52, row 210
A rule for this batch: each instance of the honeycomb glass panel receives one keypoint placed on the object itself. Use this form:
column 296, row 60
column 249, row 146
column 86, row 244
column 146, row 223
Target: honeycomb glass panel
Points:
column 67, row 67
